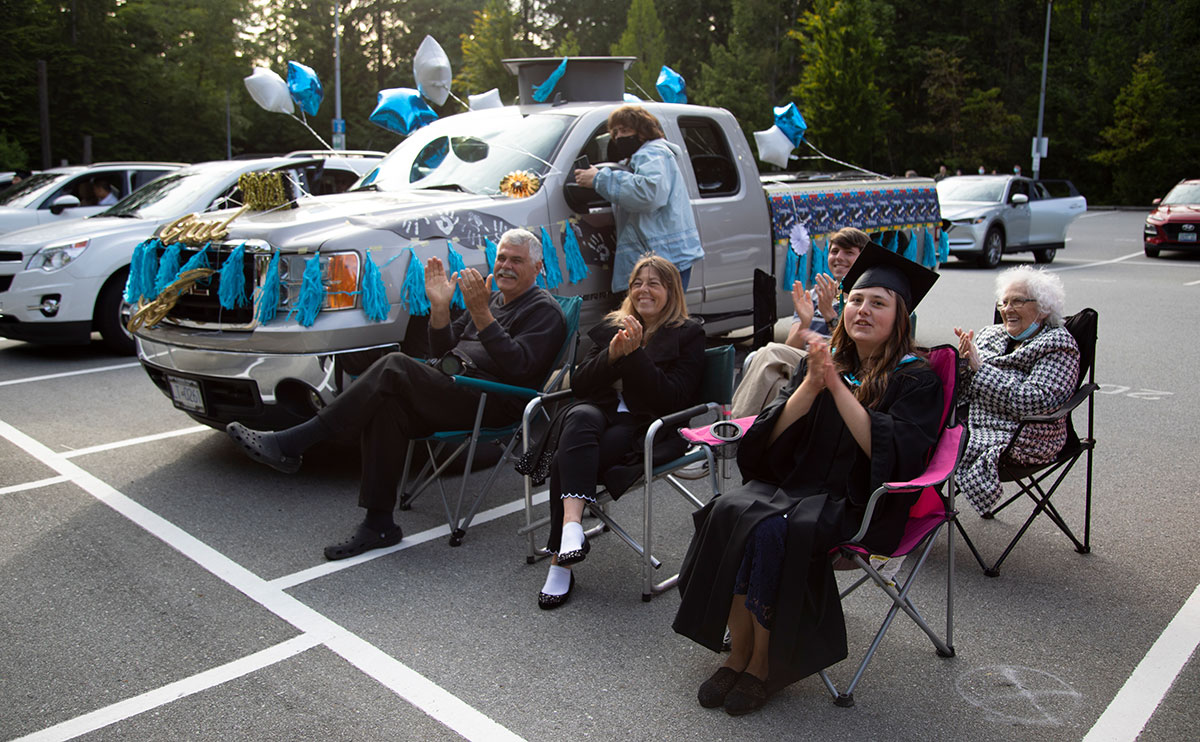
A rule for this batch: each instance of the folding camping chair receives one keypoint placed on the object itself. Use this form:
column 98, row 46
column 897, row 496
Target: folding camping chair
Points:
column 1030, row 478
column 932, row 511
column 467, row 440
column 717, row 392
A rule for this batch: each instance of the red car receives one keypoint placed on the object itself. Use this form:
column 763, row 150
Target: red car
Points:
column 1175, row 222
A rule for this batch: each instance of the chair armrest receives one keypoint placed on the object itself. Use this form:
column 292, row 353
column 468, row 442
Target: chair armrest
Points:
column 1066, row 408
column 682, row 416
column 495, row 387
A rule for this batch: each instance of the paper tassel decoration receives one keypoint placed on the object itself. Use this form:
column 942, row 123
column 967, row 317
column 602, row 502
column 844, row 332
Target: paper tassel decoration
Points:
column 893, row 242
column 199, row 260
column 374, row 293
column 489, row 252
column 550, row 261
column 821, row 259
column 455, row 264
column 312, row 293
column 231, row 288
column 910, row 249
column 791, row 271
column 540, row 280
column 943, row 246
column 412, row 292
column 268, row 298
column 150, row 269
column 168, row 267
column 577, row 270
column 543, row 91
column 135, row 286
column 928, row 254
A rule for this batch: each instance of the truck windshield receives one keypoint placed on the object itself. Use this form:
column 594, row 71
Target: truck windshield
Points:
column 971, row 189
column 470, row 152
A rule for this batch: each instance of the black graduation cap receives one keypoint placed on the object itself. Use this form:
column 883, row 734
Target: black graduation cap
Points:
column 877, row 266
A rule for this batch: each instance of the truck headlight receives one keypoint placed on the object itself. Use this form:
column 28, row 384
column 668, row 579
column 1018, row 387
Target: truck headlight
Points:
column 339, row 276
column 56, row 257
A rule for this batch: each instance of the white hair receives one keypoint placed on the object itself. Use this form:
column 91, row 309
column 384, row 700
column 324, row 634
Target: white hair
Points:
column 526, row 239
column 1046, row 287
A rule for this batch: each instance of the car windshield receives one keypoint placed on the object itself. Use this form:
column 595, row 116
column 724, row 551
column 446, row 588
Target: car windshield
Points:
column 470, row 152
column 27, row 191
column 971, row 189
column 171, row 195
column 1187, row 193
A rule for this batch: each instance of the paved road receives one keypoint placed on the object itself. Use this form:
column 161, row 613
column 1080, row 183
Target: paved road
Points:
column 157, row 585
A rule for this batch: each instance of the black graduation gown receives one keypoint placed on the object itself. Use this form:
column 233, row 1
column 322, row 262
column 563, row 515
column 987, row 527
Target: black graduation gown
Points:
column 817, row 475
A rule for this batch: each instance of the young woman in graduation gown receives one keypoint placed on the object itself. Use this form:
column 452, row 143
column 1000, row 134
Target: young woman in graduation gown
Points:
column 860, row 410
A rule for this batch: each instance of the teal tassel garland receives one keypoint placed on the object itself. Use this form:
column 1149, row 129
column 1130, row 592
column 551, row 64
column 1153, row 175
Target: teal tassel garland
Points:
column 489, row 252
column 374, row 293
column 412, row 293
column 577, row 270
column 893, row 242
column 543, row 91
column 455, row 264
column 550, row 261
column 791, row 271
column 268, row 297
column 231, row 291
column 133, row 284
column 928, row 256
column 149, row 269
column 312, row 293
column 168, row 267
column 199, row 260
column 943, row 246
column 910, row 249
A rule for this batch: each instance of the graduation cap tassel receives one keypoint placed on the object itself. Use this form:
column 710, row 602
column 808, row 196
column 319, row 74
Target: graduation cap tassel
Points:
column 550, row 261
column 455, row 264
column 312, row 292
column 374, row 294
column 412, row 292
column 577, row 270
column 231, row 290
column 268, row 298
column 168, row 267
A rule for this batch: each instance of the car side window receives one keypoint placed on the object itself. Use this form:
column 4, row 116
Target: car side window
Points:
column 80, row 187
column 710, row 156
column 1018, row 186
column 142, row 177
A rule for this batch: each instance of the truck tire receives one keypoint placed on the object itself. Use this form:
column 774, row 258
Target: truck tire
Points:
column 1046, row 255
column 1151, row 252
column 993, row 248
column 112, row 313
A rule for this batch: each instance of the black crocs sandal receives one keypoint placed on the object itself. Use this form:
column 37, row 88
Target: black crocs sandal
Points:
column 363, row 540
column 567, row 558
column 262, row 447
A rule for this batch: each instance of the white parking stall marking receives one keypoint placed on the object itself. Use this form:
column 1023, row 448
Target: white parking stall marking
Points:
column 64, row 374
column 134, row 441
column 32, row 485
column 1121, row 259
column 418, row 690
column 1192, row 283
column 1135, row 703
column 130, row 707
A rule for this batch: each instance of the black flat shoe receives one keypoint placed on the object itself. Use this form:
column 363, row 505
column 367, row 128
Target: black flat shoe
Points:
column 549, row 602
column 263, row 448
column 748, row 694
column 364, row 539
column 567, row 558
column 713, row 691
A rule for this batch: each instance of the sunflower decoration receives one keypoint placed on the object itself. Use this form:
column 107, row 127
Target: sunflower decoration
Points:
column 520, row 184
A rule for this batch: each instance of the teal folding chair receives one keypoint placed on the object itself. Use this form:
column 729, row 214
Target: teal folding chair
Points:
column 717, row 392
column 466, row 441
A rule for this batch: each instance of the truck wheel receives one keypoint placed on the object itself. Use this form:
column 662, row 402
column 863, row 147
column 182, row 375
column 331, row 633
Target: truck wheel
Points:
column 1045, row 256
column 993, row 248
column 112, row 313
column 1151, row 252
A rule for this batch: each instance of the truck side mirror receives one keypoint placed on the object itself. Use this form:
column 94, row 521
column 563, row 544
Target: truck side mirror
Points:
column 582, row 200
column 66, row 201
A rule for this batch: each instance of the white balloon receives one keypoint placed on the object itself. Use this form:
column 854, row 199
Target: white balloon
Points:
column 431, row 68
column 490, row 99
column 269, row 91
column 773, row 146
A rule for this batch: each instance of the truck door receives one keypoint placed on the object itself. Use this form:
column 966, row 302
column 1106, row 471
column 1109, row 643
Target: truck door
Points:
column 1016, row 216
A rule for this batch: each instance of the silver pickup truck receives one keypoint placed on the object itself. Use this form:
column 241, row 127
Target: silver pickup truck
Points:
column 446, row 187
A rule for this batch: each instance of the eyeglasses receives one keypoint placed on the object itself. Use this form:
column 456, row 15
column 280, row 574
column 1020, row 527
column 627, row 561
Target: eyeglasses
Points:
column 1014, row 303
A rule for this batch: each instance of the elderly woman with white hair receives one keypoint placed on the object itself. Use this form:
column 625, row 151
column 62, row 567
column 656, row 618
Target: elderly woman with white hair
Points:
column 1026, row 365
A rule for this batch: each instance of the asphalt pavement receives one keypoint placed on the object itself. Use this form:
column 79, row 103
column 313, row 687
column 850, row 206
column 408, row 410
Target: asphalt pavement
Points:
column 159, row 585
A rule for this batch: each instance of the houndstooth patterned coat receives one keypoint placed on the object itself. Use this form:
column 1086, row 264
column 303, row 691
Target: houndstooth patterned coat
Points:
column 1034, row 378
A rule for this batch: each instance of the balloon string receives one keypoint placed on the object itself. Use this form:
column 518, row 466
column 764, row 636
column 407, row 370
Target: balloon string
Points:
column 639, row 87
column 461, row 102
column 310, row 131
column 852, row 167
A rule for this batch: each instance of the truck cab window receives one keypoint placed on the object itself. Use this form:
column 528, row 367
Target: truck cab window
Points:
column 710, row 157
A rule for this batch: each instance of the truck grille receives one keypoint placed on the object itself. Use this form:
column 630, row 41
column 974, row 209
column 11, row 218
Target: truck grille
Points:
column 1173, row 229
column 200, row 305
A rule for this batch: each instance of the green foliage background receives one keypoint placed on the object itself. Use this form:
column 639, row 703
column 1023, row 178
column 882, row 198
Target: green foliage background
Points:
column 887, row 84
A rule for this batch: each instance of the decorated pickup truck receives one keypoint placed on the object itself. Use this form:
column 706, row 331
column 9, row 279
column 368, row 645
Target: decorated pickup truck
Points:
column 293, row 288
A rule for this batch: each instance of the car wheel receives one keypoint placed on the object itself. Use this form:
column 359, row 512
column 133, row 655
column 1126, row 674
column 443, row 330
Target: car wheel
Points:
column 112, row 314
column 993, row 248
column 1151, row 252
column 1045, row 256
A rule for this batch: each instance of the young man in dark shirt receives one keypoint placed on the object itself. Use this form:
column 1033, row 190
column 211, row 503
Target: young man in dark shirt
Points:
column 511, row 336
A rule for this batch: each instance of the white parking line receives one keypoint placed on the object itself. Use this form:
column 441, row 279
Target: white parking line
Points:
column 134, row 441
column 122, row 710
column 418, row 690
column 1121, row 259
column 32, row 485
column 28, row 379
column 1135, row 703
column 1192, row 283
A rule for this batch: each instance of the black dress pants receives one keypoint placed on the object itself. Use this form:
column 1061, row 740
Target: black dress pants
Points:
column 398, row 399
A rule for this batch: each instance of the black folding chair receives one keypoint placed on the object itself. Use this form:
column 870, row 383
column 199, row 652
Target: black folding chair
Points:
column 1032, row 479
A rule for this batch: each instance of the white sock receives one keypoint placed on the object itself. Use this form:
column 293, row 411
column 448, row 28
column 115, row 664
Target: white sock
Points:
column 572, row 537
column 558, row 581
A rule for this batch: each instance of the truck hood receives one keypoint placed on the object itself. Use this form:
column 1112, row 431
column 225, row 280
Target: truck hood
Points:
column 954, row 210
column 315, row 219
column 30, row 239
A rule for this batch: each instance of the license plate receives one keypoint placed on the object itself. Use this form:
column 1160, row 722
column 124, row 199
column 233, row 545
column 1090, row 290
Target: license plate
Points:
column 186, row 394
column 1187, row 236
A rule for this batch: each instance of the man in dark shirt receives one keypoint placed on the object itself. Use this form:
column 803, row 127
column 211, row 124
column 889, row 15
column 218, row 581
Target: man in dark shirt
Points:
column 511, row 336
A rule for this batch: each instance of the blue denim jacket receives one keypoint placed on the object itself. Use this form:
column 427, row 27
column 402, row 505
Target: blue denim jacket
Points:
column 652, row 211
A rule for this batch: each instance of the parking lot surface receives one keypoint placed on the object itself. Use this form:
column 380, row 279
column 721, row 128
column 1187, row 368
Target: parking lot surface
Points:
column 159, row 585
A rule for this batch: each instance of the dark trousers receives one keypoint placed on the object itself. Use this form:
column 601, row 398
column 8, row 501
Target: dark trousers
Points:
column 592, row 441
column 392, row 402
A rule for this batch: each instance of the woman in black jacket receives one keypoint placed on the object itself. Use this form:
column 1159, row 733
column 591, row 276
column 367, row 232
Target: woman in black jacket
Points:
column 646, row 360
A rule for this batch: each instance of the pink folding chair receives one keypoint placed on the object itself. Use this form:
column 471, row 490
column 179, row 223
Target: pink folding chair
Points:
column 933, row 510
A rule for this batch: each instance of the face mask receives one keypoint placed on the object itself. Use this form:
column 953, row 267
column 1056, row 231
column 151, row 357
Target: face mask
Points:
column 981, row 171
column 622, row 148
column 1027, row 332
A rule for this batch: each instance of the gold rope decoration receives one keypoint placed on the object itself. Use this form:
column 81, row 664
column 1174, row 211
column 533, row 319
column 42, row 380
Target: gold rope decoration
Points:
column 149, row 314
column 263, row 190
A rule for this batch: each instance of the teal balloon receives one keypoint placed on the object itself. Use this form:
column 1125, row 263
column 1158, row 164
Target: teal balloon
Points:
column 305, row 87
column 402, row 110
column 671, row 86
column 791, row 123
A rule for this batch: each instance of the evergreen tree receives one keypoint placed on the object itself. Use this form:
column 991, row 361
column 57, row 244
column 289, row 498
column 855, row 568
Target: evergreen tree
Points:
column 645, row 39
column 495, row 35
